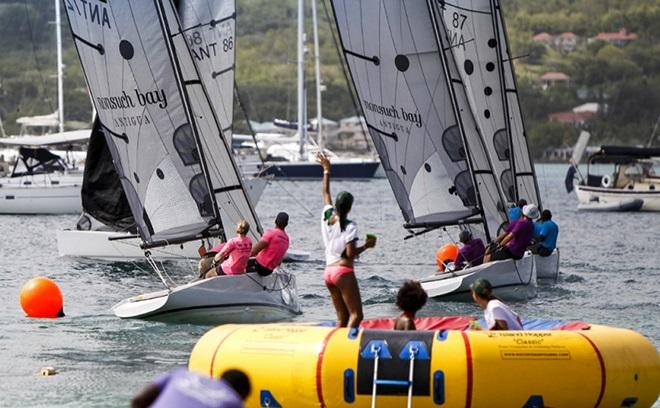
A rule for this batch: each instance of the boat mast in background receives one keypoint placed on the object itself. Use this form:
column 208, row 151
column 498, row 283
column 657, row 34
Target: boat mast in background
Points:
column 60, row 73
column 302, row 125
column 317, row 71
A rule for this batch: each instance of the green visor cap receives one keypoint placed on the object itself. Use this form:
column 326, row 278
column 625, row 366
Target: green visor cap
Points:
column 481, row 286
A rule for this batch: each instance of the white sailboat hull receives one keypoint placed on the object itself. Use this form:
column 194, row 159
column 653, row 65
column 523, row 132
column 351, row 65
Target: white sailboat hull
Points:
column 547, row 267
column 98, row 245
column 40, row 195
column 511, row 280
column 116, row 246
column 616, row 199
column 218, row 300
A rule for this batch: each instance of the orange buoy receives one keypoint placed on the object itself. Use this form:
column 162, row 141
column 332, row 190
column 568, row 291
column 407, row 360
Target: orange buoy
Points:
column 41, row 297
column 446, row 253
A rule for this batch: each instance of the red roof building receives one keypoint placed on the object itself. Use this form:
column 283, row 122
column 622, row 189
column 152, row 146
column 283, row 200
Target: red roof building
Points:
column 620, row 39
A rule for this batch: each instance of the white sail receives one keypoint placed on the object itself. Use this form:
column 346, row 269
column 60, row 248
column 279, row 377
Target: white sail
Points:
column 525, row 175
column 472, row 36
column 166, row 142
column 422, row 127
column 209, row 27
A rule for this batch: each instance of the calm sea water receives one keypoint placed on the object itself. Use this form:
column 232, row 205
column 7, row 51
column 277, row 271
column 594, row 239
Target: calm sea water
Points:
column 609, row 275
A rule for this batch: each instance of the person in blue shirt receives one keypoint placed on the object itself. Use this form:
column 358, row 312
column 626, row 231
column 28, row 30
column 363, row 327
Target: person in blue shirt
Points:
column 514, row 212
column 545, row 235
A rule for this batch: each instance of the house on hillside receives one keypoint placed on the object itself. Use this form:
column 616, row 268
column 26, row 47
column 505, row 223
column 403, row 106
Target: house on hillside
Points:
column 621, row 38
column 576, row 119
column 550, row 79
column 565, row 43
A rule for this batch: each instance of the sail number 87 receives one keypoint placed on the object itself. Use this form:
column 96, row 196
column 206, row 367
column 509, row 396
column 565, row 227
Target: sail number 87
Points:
column 458, row 20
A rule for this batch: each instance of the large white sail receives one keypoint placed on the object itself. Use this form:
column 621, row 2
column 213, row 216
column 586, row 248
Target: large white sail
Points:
column 209, row 27
column 427, row 139
column 175, row 166
column 525, row 175
column 473, row 39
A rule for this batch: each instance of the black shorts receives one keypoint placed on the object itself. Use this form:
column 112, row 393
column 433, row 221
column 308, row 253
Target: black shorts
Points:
column 501, row 254
column 254, row 266
column 541, row 250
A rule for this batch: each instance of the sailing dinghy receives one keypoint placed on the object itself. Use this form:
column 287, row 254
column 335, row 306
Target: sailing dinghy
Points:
column 177, row 170
column 418, row 113
column 476, row 36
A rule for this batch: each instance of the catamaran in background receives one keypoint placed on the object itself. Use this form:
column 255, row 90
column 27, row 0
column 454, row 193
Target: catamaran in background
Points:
column 446, row 121
column 175, row 166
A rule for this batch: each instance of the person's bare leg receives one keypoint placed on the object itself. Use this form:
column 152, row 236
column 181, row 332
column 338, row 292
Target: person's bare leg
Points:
column 340, row 307
column 350, row 291
column 211, row 273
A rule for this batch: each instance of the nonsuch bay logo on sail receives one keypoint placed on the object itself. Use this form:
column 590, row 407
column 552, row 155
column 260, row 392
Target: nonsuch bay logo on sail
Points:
column 90, row 11
column 398, row 113
column 132, row 100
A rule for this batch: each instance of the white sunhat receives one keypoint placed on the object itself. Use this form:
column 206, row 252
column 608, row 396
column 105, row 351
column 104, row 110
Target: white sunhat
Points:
column 531, row 211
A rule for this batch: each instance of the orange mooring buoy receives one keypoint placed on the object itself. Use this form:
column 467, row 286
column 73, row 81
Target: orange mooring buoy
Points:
column 41, row 297
column 447, row 253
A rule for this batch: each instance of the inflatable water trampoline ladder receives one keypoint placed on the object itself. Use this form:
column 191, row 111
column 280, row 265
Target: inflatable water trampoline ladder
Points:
column 377, row 349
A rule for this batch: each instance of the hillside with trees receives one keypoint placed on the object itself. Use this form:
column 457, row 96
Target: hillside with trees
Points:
column 622, row 80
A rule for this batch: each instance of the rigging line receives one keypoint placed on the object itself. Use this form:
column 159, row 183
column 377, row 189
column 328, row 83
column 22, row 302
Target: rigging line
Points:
column 34, row 51
column 279, row 183
column 239, row 100
column 349, row 84
column 147, row 255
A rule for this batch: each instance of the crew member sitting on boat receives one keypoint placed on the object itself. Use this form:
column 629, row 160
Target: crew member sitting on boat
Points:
column 513, row 242
column 230, row 258
column 410, row 298
column 183, row 388
column 515, row 211
column 497, row 315
column 545, row 235
column 271, row 248
column 472, row 252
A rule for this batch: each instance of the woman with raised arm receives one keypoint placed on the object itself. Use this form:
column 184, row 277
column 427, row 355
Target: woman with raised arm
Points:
column 340, row 236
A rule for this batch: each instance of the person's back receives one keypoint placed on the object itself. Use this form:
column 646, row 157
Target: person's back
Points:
column 523, row 231
column 238, row 251
column 471, row 254
column 277, row 244
column 549, row 231
column 496, row 310
column 514, row 213
column 183, row 388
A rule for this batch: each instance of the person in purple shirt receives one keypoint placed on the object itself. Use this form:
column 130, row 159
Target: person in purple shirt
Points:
column 472, row 252
column 183, row 388
column 513, row 242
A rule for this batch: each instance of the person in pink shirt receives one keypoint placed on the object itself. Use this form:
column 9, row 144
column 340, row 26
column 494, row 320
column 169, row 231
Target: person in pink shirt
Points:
column 232, row 256
column 271, row 248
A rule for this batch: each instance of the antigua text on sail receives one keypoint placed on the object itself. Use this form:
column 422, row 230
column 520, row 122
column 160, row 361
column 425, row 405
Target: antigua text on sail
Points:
column 90, row 10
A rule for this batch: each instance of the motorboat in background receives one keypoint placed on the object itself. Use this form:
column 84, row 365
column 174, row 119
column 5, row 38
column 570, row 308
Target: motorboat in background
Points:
column 186, row 187
column 42, row 182
column 618, row 178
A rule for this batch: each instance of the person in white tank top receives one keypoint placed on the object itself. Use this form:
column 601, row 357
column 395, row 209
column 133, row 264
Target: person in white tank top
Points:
column 498, row 315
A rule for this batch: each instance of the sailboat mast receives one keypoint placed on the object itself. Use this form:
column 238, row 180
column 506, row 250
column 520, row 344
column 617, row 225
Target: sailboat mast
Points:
column 60, row 87
column 505, row 102
column 317, row 69
column 301, row 76
column 459, row 121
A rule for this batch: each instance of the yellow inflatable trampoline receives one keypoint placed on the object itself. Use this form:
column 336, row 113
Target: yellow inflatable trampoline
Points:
column 320, row 366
